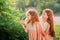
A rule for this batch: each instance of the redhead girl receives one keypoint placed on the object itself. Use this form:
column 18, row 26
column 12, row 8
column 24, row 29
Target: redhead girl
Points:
column 33, row 27
column 47, row 24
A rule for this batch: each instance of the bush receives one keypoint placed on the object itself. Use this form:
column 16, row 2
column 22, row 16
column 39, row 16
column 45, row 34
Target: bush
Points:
column 10, row 29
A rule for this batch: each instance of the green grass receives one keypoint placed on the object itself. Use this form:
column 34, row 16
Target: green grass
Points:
column 57, row 31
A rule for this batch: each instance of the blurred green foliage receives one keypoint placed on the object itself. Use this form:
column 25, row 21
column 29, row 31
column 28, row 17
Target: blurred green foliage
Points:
column 10, row 29
column 39, row 5
column 57, row 32
column 11, row 11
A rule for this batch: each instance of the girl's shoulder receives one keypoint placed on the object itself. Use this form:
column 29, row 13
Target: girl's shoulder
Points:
column 37, row 23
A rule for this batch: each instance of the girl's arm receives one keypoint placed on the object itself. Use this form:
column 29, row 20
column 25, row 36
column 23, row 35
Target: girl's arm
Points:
column 47, row 30
column 43, row 32
column 25, row 28
column 40, row 29
column 23, row 25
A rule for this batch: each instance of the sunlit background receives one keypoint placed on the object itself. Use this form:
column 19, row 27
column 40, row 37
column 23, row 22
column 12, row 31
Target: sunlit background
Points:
column 11, row 11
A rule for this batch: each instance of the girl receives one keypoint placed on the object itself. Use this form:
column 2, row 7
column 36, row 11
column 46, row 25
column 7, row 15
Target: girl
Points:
column 32, row 25
column 48, row 24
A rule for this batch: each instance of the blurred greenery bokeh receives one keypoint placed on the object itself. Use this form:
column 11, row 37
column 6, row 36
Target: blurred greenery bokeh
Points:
column 11, row 11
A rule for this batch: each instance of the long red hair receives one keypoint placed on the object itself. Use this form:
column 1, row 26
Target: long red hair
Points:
column 49, row 13
column 34, row 16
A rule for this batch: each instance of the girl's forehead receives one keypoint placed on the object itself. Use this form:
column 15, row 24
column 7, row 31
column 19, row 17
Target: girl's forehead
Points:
column 44, row 12
column 26, row 13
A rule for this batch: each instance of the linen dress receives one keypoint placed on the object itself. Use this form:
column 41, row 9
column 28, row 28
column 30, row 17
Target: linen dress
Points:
column 34, row 32
column 45, row 27
column 39, row 32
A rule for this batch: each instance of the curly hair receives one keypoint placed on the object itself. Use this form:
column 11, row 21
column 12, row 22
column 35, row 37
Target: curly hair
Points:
column 34, row 16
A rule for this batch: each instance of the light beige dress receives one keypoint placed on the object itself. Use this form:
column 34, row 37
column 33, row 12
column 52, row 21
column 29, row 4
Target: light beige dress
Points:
column 45, row 27
column 34, row 32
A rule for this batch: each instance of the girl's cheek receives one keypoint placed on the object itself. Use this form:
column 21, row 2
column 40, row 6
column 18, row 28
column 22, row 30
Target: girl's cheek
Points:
column 42, row 16
column 27, row 17
column 30, row 17
column 47, row 16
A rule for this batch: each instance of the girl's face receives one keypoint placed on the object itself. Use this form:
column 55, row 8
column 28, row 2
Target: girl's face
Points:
column 28, row 16
column 45, row 16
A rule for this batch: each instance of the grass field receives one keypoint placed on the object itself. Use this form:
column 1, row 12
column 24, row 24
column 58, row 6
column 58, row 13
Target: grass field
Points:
column 57, row 31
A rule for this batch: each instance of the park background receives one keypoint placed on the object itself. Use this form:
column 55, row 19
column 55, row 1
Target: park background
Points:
column 11, row 11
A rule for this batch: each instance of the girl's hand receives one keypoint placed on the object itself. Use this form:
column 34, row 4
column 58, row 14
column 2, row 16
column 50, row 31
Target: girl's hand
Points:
column 21, row 22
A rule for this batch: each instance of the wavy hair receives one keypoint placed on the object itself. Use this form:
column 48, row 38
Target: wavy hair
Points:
column 49, row 13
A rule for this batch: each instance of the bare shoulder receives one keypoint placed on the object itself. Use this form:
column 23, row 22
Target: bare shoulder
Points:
column 38, row 23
